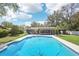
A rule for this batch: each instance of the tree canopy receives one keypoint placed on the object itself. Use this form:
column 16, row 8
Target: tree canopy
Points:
column 67, row 18
column 3, row 10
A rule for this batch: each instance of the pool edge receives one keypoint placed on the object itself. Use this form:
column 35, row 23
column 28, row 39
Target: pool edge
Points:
column 70, row 45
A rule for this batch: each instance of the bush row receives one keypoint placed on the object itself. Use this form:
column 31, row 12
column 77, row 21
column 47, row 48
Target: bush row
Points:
column 13, row 31
column 3, row 32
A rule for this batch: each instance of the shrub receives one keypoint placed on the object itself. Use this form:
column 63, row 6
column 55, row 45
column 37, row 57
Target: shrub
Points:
column 20, row 31
column 3, row 32
column 15, row 31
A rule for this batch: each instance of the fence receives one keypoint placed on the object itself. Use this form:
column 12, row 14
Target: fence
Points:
column 73, row 32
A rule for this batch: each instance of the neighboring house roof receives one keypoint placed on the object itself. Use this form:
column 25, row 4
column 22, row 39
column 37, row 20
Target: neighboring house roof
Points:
column 41, row 28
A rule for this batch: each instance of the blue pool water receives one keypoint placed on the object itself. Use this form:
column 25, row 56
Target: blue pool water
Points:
column 38, row 46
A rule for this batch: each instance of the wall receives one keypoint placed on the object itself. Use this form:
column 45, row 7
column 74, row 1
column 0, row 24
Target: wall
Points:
column 73, row 32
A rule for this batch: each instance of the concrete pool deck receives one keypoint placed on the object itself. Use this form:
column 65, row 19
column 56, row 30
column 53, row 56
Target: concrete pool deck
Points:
column 74, row 47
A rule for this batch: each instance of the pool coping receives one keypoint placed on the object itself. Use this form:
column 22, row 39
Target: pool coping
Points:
column 19, row 39
column 4, row 46
column 72, row 46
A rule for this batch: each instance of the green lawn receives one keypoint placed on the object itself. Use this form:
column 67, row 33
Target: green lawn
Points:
column 71, row 38
column 10, row 38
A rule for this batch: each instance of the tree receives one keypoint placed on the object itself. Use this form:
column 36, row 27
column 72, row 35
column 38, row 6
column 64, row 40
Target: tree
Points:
column 67, row 11
column 3, row 10
column 63, row 17
column 63, row 26
column 47, row 24
column 7, row 24
column 15, row 30
column 12, row 29
column 3, row 32
column 55, row 18
column 75, row 22
column 35, row 24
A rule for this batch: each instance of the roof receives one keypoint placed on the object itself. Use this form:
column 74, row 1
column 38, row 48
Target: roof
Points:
column 40, row 28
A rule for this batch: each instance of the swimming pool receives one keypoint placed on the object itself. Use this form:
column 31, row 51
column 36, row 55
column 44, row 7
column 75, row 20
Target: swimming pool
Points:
column 38, row 46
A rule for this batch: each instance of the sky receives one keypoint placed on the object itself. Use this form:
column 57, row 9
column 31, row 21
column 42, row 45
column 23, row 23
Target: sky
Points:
column 29, row 12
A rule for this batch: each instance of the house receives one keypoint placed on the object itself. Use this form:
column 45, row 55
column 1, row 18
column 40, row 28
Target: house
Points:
column 40, row 30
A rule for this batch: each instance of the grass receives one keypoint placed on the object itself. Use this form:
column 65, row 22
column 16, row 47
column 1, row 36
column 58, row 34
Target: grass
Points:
column 10, row 38
column 71, row 38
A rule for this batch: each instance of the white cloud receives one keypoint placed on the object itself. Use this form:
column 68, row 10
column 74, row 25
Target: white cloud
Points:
column 24, row 10
column 41, row 22
column 27, row 8
column 31, row 7
column 51, row 7
column 21, row 15
column 27, row 23
column 11, row 16
column 76, row 10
